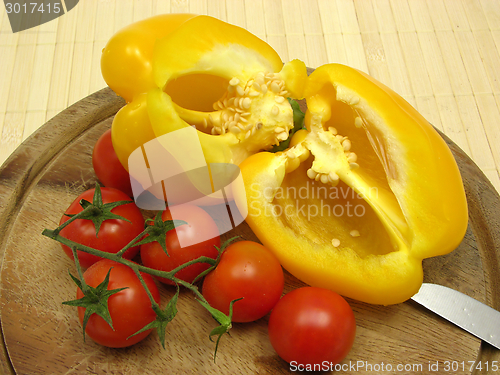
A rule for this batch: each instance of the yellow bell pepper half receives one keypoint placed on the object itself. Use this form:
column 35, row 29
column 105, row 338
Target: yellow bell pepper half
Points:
column 229, row 84
column 356, row 201
column 182, row 70
column 360, row 198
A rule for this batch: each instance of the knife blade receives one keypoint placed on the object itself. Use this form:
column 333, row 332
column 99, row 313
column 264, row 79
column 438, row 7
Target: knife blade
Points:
column 466, row 312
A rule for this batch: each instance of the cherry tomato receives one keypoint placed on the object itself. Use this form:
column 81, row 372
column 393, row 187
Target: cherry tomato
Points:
column 246, row 269
column 310, row 325
column 113, row 235
column 107, row 167
column 130, row 309
column 184, row 243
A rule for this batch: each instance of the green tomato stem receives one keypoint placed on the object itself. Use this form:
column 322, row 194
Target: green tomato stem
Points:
column 79, row 270
column 154, row 305
column 72, row 218
column 138, row 268
column 170, row 275
column 131, row 243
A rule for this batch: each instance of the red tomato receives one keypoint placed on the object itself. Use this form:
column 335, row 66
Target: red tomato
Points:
column 246, row 269
column 130, row 309
column 187, row 242
column 113, row 235
column 107, row 167
column 311, row 325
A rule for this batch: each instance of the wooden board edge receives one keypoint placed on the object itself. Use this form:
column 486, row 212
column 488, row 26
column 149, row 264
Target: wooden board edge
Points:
column 23, row 167
column 27, row 162
column 486, row 209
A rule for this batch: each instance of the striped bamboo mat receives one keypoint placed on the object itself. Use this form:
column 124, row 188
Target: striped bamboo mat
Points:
column 440, row 55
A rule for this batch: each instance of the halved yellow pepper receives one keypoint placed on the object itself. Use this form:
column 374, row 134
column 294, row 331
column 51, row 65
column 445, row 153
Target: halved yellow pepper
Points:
column 355, row 203
column 183, row 70
column 362, row 197
column 229, row 84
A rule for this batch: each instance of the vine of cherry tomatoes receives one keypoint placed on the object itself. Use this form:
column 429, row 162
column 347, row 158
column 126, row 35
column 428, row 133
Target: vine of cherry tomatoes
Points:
column 306, row 326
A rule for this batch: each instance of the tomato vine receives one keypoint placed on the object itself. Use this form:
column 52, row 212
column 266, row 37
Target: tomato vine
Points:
column 95, row 299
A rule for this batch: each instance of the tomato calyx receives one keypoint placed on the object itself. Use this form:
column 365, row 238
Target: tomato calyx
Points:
column 224, row 320
column 94, row 300
column 215, row 263
column 163, row 317
column 97, row 211
column 156, row 230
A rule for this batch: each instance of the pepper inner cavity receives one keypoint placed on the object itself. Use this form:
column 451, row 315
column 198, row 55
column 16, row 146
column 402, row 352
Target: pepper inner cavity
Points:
column 323, row 213
column 196, row 92
column 370, row 146
column 257, row 108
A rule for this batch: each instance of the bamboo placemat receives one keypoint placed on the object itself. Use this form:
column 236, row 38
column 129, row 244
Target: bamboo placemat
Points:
column 440, row 55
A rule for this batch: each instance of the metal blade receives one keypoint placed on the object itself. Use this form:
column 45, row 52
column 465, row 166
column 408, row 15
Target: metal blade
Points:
column 469, row 314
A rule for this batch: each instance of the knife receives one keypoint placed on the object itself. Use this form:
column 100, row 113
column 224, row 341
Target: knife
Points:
column 469, row 314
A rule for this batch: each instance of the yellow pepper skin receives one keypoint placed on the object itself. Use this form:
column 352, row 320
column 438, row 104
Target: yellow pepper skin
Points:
column 131, row 128
column 368, row 150
column 126, row 66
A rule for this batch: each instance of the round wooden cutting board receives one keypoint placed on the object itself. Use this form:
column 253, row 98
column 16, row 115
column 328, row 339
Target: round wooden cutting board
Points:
column 41, row 336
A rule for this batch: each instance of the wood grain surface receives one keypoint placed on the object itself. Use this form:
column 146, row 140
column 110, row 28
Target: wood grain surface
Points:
column 41, row 336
